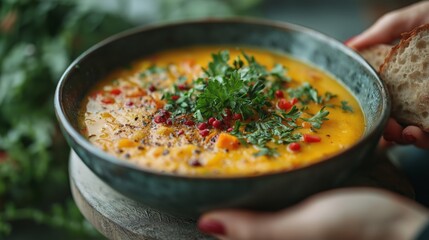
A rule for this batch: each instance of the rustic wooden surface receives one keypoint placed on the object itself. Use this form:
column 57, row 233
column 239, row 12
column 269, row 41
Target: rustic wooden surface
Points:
column 118, row 217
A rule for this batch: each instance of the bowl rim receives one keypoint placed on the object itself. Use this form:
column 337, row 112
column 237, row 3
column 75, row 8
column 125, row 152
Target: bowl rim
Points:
column 99, row 153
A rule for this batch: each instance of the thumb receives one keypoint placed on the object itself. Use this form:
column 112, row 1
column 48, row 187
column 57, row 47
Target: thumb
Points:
column 385, row 30
column 391, row 25
column 246, row 225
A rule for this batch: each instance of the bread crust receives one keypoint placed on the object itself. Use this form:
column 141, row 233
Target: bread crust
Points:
column 376, row 55
column 409, row 90
column 404, row 42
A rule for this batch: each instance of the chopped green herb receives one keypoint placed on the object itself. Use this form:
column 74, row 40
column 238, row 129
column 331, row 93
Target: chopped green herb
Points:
column 265, row 151
column 292, row 115
column 280, row 80
column 276, row 128
column 317, row 120
column 219, row 66
column 238, row 63
column 230, row 93
column 329, row 96
column 279, row 72
column 181, row 106
column 254, row 66
column 238, row 88
column 248, row 89
column 346, row 107
column 152, row 70
column 305, row 94
column 182, row 79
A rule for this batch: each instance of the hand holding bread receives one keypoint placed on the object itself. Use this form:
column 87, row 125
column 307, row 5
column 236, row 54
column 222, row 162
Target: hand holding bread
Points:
column 404, row 67
column 406, row 73
column 405, row 70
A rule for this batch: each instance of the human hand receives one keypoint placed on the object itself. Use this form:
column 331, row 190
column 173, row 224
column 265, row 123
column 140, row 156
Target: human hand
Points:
column 395, row 132
column 388, row 28
column 391, row 25
column 339, row 214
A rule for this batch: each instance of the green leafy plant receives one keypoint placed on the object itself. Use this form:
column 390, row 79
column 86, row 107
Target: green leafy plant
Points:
column 38, row 40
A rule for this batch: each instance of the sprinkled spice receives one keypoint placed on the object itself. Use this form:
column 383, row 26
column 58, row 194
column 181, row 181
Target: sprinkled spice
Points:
column 195, row 163
column 225, row 113
column 204, row 133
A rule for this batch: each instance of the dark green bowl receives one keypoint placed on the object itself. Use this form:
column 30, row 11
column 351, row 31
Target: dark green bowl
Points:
column 190, row 196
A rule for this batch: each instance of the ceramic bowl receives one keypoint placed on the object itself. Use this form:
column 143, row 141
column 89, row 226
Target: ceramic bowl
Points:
column 191, row 196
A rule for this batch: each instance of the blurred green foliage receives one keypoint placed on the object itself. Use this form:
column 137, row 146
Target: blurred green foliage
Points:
column 38, row 39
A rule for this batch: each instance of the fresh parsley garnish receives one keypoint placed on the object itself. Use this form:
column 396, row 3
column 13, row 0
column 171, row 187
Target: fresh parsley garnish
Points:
column 328, row 96
column 346, row 107
column 248, row 88
column 305, row 94
column 317, row 120
column 266, row 151
column 231, row 92
column 219, row 66
column 275, row 128
column 183, row 105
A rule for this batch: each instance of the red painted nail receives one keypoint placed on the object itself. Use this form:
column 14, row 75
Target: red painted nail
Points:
column 409, row 138
column 211, row 226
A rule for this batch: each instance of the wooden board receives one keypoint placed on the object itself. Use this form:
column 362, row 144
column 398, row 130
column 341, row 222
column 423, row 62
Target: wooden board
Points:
column 118, row 217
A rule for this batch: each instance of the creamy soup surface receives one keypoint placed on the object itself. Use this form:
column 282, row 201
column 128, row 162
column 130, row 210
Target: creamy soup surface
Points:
column 220, row 112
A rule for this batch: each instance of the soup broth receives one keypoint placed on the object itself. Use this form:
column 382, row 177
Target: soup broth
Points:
column 220, row 112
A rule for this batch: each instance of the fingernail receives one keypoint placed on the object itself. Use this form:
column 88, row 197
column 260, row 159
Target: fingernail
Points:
column 211, row 226
column 409, row 138
column 349, row 40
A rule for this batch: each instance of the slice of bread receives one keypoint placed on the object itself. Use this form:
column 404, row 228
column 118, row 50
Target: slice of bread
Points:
column 376, row 54
column 406, row 73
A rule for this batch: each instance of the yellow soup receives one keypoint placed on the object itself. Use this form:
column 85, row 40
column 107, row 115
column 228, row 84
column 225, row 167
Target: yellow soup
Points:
column 219, row 111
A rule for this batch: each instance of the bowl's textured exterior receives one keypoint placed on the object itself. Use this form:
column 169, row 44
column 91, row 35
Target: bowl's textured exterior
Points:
column 190, row 196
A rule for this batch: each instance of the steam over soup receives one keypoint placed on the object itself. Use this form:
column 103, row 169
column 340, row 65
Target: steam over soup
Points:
column 208, row 111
